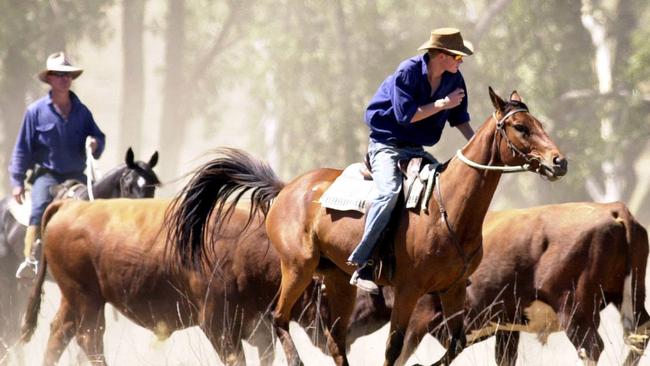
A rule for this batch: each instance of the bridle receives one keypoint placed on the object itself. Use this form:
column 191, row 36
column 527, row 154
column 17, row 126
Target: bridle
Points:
column 500, row 128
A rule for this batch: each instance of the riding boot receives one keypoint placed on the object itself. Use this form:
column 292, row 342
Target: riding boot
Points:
column 29, row 267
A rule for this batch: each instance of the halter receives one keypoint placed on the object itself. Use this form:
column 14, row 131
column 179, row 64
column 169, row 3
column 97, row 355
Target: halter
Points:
column 500, row 127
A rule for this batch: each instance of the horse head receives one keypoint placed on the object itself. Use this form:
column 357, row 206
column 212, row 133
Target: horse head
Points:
column 138, row 180
column 522, row 140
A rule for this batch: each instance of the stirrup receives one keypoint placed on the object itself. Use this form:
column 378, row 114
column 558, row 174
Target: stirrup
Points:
column 364, row 284
column 27, row 269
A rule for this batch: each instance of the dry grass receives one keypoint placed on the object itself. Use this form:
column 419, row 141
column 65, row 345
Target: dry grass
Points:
column 131, row 345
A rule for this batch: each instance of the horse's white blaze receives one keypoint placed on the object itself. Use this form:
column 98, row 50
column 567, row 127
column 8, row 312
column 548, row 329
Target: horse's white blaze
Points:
column 627, row 309
column 141, row 182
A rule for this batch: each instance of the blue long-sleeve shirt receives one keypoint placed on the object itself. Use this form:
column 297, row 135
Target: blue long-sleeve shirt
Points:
column 45, row 138
column 396, row 101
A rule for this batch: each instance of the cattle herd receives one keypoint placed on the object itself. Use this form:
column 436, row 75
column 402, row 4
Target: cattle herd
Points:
column 239, row 254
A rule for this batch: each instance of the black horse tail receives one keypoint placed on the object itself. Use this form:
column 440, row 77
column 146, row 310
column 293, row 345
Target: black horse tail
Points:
column 34, row 304
column 215, row 189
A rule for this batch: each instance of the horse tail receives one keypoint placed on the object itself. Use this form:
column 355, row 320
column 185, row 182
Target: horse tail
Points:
column 34, row 303
column 214, row 191
column 636, row 236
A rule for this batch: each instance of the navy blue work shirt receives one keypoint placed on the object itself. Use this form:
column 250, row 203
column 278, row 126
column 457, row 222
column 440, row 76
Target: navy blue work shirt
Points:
column 396, row 101
column 47, row 139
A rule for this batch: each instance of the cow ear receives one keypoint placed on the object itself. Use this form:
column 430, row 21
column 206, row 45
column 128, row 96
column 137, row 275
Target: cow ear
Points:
column 154, row 160
column 128, row 159
column 497, row 102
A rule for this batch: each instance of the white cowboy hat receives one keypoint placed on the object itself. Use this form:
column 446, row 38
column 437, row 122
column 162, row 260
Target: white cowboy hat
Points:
column 59, row 62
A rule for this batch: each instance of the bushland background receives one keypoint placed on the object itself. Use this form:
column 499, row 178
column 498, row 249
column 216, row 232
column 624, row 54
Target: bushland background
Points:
column 288, row 80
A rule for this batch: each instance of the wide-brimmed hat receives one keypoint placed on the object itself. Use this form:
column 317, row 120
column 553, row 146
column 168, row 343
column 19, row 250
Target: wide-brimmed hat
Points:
column 450, row 40
column 59, row 62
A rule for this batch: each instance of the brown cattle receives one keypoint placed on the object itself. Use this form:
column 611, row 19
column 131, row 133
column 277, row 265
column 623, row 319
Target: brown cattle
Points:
column 575, row 257
column 113, row 251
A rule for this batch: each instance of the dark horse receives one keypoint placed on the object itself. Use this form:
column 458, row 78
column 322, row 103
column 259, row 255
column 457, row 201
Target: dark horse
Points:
column 573, row 259
column 132, row 179
column 433, row 254
column 115, row 251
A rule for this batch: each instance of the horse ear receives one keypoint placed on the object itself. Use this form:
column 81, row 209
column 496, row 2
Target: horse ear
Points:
column 497, row 102
column 154, row 160
column 128, row 159
column 515, row 96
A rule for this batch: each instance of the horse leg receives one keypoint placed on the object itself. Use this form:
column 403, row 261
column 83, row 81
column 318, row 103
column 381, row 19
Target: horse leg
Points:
column 296, row 276
column 404, row 304
column 61, row 332
column 426, row 318
column 505, row 351
column 90, row 331
column 453, row 302
column 340, row 299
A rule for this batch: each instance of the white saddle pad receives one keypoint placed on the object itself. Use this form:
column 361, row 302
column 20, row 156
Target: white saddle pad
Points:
column 349, row 191
column 21, row 212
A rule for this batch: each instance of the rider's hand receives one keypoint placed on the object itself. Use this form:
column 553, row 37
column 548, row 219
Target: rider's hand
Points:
column 452, row 100
column 19, row 194
column 92, row 143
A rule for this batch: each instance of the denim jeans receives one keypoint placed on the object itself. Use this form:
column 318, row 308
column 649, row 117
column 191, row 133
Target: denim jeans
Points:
column 388, row 179
column 41, row 196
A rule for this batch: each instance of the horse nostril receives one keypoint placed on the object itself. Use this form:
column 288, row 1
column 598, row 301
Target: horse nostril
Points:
column 560, row 162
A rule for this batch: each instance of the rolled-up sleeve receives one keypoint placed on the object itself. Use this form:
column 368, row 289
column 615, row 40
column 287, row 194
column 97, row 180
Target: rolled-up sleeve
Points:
column 22, row 156
column 404, row 106
column 459, row 113
column 94, row 131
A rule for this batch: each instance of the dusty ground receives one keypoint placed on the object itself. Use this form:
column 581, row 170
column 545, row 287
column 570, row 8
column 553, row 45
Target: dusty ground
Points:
column 130, row 345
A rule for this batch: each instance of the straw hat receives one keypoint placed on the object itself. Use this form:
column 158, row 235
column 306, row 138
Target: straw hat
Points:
column 450, row 40
column 59, row 62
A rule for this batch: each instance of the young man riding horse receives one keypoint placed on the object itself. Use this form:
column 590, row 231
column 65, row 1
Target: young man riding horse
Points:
column 52, row 135
column 409, row 110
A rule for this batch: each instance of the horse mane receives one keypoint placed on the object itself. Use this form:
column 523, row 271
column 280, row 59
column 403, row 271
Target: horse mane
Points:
column 214, row 191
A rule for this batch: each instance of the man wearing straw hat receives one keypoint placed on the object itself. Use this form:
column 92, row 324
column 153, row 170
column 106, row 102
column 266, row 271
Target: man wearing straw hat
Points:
column 409, row 111
column 51, row 142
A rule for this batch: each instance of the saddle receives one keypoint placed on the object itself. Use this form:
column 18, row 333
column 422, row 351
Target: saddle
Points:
column 354, row 188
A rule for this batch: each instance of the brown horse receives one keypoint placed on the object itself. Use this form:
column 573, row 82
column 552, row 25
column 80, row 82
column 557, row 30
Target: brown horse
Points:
column 433, row 254
column 133, row 179
column 113, row 251
column 574, row 257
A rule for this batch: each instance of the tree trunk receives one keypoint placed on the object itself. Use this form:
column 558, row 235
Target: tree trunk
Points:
column 132, row 74
column 12, row 104
column 174, row 111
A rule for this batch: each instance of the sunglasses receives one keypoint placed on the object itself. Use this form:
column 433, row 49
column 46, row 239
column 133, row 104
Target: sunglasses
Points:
column 60, row 74
column 452, row 55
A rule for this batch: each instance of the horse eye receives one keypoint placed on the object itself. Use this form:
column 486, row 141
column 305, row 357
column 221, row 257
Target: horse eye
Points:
column 523, row 129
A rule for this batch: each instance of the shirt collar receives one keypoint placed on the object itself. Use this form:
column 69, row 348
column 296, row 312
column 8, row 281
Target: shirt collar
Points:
column 425, row 60
column 73, row 98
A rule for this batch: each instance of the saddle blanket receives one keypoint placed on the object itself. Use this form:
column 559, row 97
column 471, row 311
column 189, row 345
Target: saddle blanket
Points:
column 350, row 191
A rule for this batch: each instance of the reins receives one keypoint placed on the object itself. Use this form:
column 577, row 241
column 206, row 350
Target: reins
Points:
column 90, row 177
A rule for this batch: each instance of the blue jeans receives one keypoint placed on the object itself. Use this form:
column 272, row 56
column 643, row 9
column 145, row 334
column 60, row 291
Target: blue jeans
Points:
column 388, row 179
column 41, row 196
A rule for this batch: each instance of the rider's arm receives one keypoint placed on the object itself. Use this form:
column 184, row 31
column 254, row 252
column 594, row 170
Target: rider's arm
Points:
column 466, row 129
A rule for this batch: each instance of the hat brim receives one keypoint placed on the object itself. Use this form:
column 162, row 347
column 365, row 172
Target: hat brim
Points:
column 466, row 50
column 74, row 71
